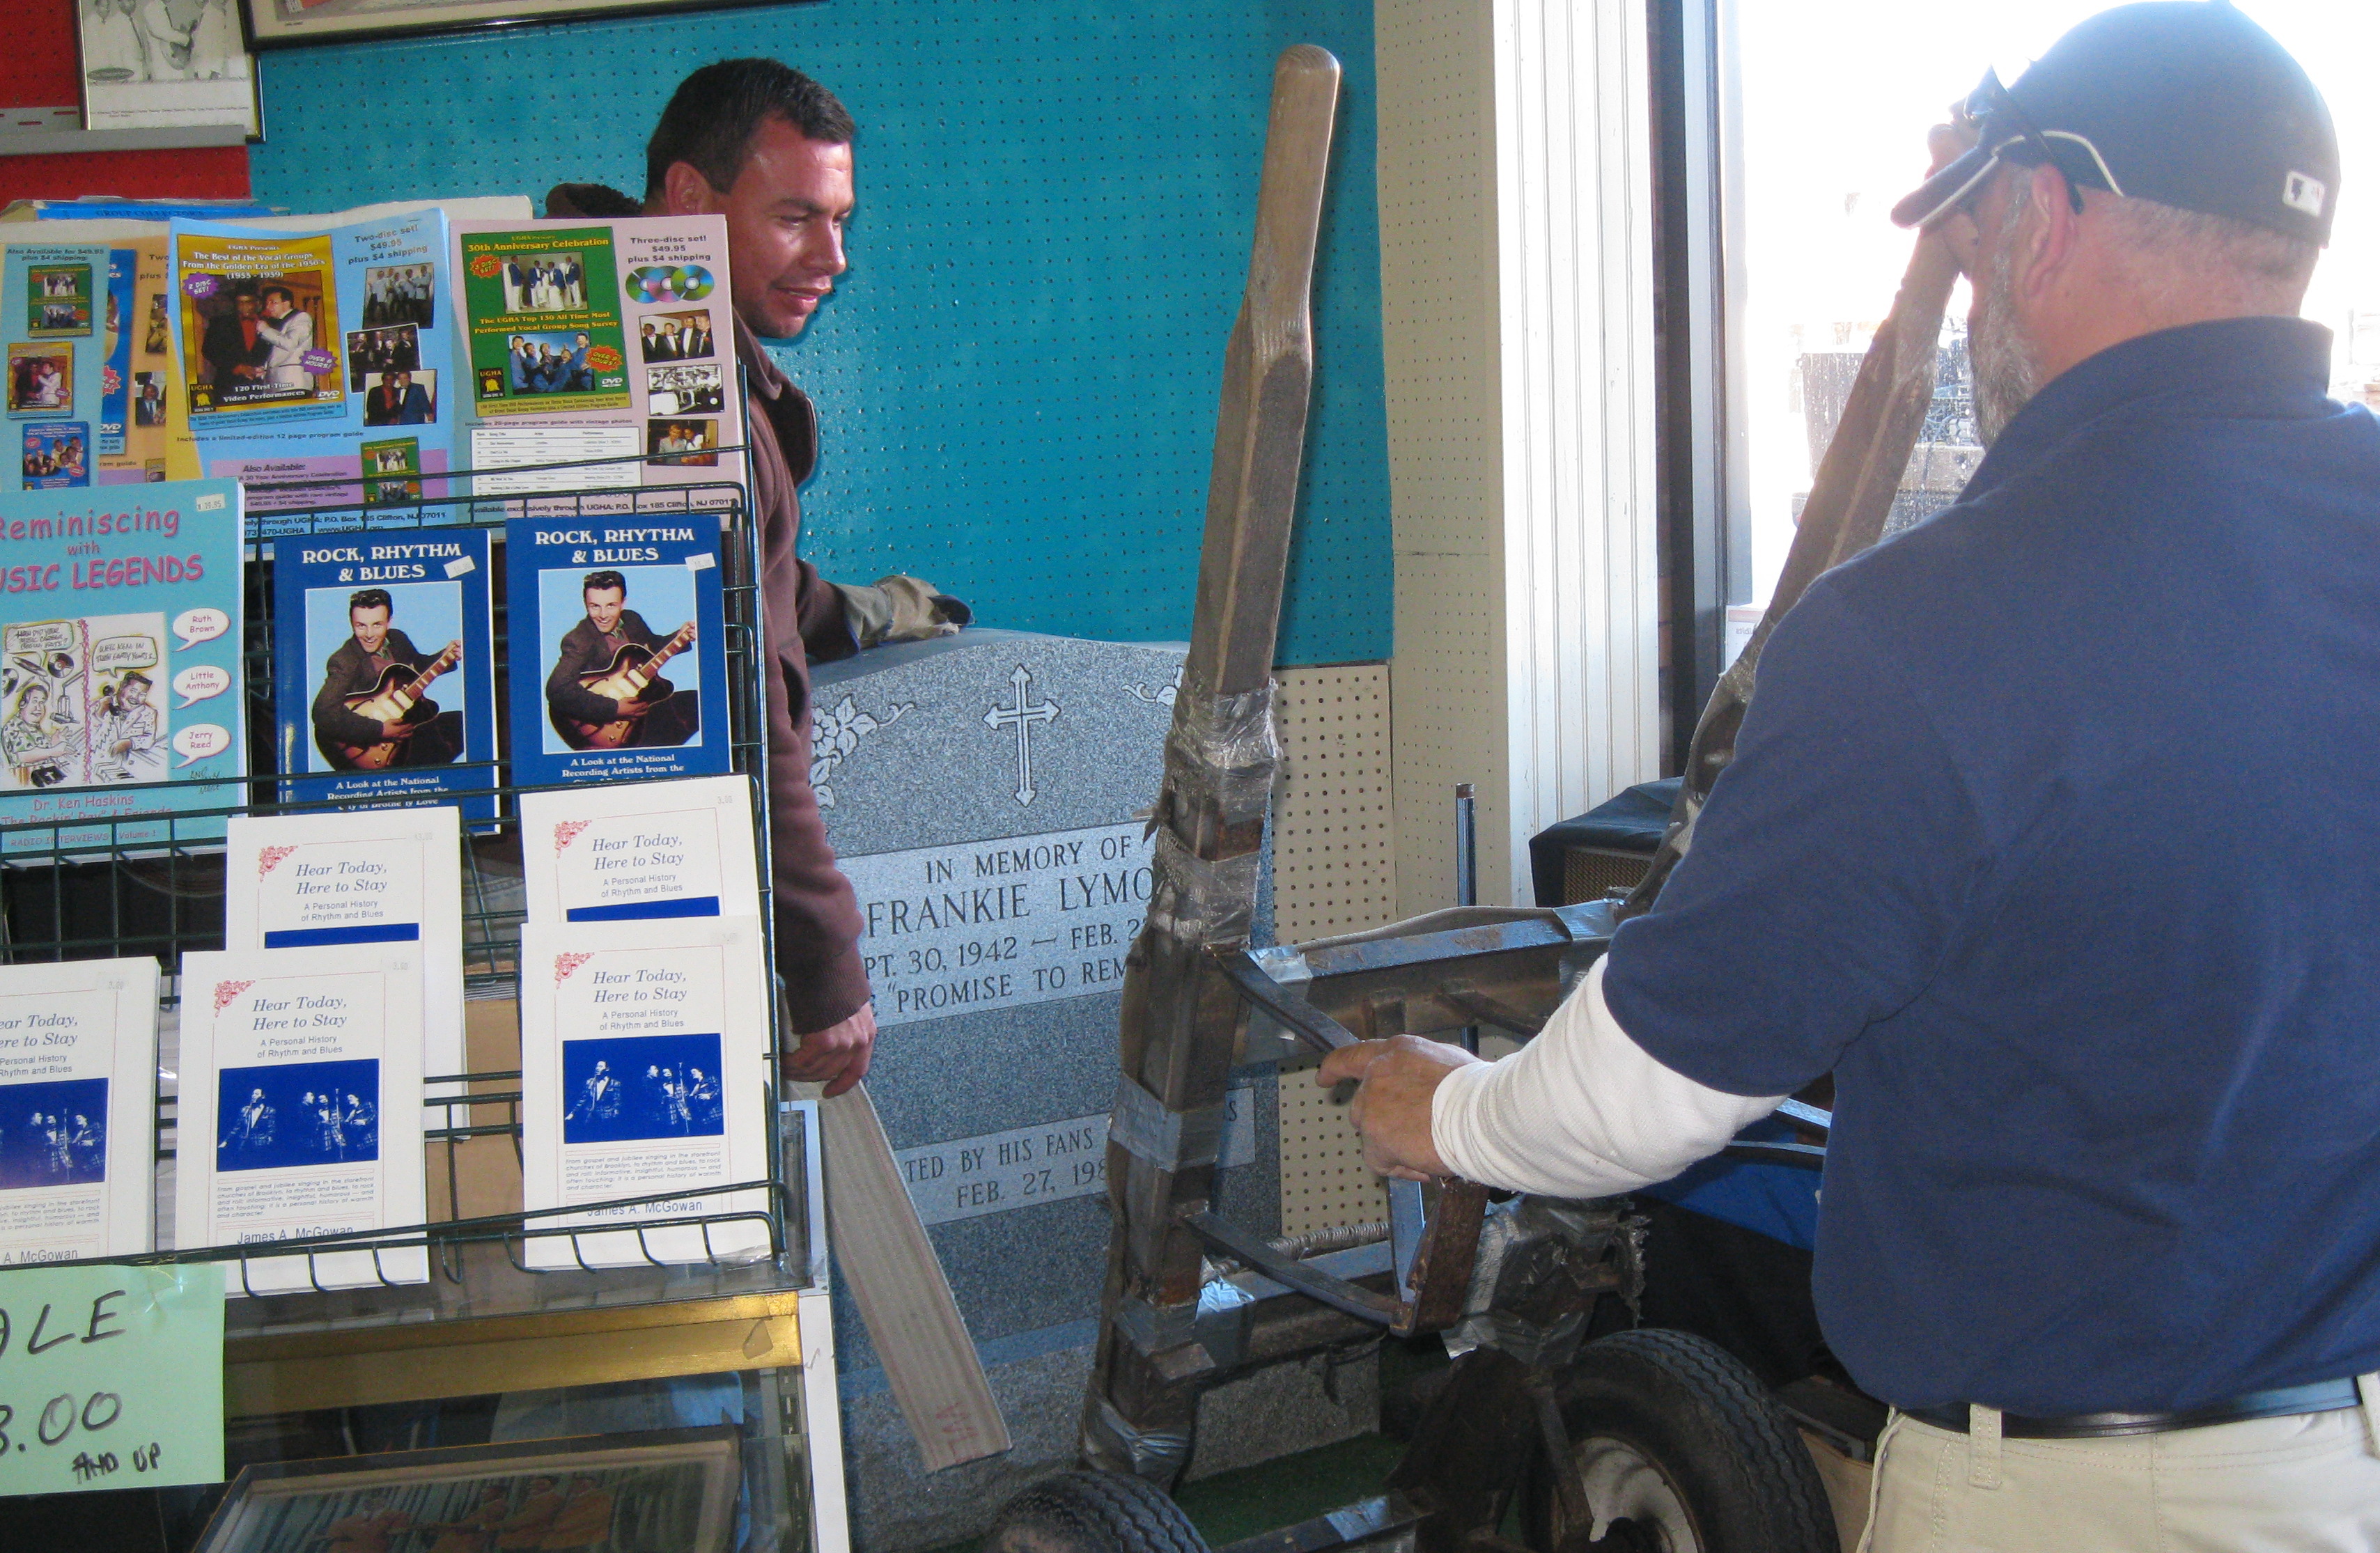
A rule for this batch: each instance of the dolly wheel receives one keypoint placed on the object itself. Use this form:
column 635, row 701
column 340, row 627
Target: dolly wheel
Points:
column 1681, row 1451
column 1092, row 1512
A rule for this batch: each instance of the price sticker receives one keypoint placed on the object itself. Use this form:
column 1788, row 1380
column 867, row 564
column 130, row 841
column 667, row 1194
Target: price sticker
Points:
column 110, row 1378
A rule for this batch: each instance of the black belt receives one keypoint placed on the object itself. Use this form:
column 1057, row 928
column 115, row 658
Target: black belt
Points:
column 2322, row 1396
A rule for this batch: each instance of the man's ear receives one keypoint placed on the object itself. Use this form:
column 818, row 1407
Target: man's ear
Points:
column 685, row 192
column 2052, row 235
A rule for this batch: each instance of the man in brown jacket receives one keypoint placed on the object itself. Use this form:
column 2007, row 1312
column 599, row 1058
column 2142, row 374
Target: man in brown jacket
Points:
column 769, row 149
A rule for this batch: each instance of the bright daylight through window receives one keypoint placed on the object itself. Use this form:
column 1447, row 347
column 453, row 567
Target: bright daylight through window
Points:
column 1834, row 106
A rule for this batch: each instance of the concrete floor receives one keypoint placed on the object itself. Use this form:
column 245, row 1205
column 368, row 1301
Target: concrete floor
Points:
column 1240, row 1503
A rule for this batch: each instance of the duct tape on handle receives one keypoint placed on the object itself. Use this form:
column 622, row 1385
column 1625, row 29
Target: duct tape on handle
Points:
column 1201, row 901
column 1155, row 1454
column 1268, row 1039
column 1221, row 751
column 1170, row 1140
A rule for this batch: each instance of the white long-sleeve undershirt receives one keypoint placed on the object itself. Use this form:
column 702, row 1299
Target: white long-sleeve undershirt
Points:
column 1582, row 1111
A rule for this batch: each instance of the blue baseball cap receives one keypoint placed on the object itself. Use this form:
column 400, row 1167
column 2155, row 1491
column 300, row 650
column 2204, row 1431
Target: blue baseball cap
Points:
column 2183, row 102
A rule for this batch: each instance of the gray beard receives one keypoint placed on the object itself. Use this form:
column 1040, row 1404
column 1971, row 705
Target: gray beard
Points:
column 2007, row 372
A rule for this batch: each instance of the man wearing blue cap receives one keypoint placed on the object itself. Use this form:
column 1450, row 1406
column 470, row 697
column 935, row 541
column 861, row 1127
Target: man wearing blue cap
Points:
column 2049, row 836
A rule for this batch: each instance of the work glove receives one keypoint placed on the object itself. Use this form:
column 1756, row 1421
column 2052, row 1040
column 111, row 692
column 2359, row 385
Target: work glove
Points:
column 900, row 608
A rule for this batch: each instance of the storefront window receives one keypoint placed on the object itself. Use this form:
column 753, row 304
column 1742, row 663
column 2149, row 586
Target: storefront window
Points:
column 1834, row 102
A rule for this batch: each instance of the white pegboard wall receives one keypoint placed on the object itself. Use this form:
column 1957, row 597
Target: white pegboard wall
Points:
column 1516, row 328
column 1323, row 1182
column 1334, row 872
column 1441, row 344
column 1333, row 852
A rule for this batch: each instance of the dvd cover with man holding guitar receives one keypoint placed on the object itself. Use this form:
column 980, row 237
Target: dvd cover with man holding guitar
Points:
column 618, row 668
column 385, row 681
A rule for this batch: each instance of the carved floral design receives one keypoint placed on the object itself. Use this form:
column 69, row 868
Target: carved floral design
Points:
column 835, row 736
column 269, row 858
column 1161, row 696
column 227, row 992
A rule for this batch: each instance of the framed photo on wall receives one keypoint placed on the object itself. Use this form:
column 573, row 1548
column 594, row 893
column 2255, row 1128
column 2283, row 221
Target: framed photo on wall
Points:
column 164, row 64
column 287, row 23
column 665, row 1488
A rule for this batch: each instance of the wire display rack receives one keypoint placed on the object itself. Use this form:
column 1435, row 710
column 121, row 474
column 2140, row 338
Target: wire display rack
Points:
column 83, row 890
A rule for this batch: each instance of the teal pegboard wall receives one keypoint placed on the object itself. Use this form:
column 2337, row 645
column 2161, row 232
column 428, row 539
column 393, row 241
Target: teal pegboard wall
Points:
column 1017, row 379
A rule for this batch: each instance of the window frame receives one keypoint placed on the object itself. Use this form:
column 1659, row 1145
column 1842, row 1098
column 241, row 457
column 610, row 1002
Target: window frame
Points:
column 1703, row 514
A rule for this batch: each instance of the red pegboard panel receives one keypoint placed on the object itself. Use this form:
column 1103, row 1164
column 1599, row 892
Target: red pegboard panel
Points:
column 40, row 68
column 200, row 171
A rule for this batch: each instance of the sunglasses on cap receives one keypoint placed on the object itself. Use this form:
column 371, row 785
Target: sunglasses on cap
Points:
column 2004, row 132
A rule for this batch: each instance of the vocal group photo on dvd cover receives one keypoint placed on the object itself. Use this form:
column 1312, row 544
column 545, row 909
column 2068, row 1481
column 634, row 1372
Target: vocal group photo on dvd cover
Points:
column 260, row 341
column 283, row 1114
column 635, row 1089
column 53, row 1134
column 257, row 346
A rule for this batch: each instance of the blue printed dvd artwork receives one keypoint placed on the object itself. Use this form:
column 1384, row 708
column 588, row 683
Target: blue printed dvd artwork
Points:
column 57, row 455
column 50, row 299
column 384, row 687
column 295, row 406
column 52, row 1135
column 286, row 1114
column 115, row 369
column 121, row 700
column 635, row 1089
column 617, row 666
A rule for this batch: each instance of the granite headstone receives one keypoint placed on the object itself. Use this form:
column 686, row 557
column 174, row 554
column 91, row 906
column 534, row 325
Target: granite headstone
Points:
column 985, row 796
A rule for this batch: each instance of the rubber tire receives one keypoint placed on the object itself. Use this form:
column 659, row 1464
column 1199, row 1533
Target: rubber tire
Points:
column 1708, row 1428
column 1092, row 1512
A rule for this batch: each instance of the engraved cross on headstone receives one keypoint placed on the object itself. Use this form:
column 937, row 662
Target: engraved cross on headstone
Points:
column 1023, row 716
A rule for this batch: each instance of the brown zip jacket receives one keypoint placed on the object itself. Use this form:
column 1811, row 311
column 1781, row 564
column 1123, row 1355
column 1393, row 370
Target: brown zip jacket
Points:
column 817, row 917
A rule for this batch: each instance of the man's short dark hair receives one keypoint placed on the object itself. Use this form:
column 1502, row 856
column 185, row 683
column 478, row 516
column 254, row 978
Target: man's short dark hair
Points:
column 597, row 581
column 710, row 118
column 370, row 598
column 281, row 291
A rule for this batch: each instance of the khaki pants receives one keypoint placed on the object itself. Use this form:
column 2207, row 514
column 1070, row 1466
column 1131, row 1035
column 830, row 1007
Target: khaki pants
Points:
column 2308, row 1483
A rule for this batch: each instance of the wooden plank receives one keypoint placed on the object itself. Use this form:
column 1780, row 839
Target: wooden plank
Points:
column 1177, row 1026
column 884, row 1257
column 1850, row 498
column 1268, row 374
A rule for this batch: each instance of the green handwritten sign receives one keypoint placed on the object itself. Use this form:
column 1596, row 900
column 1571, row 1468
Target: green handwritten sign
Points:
column 110, row 1378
